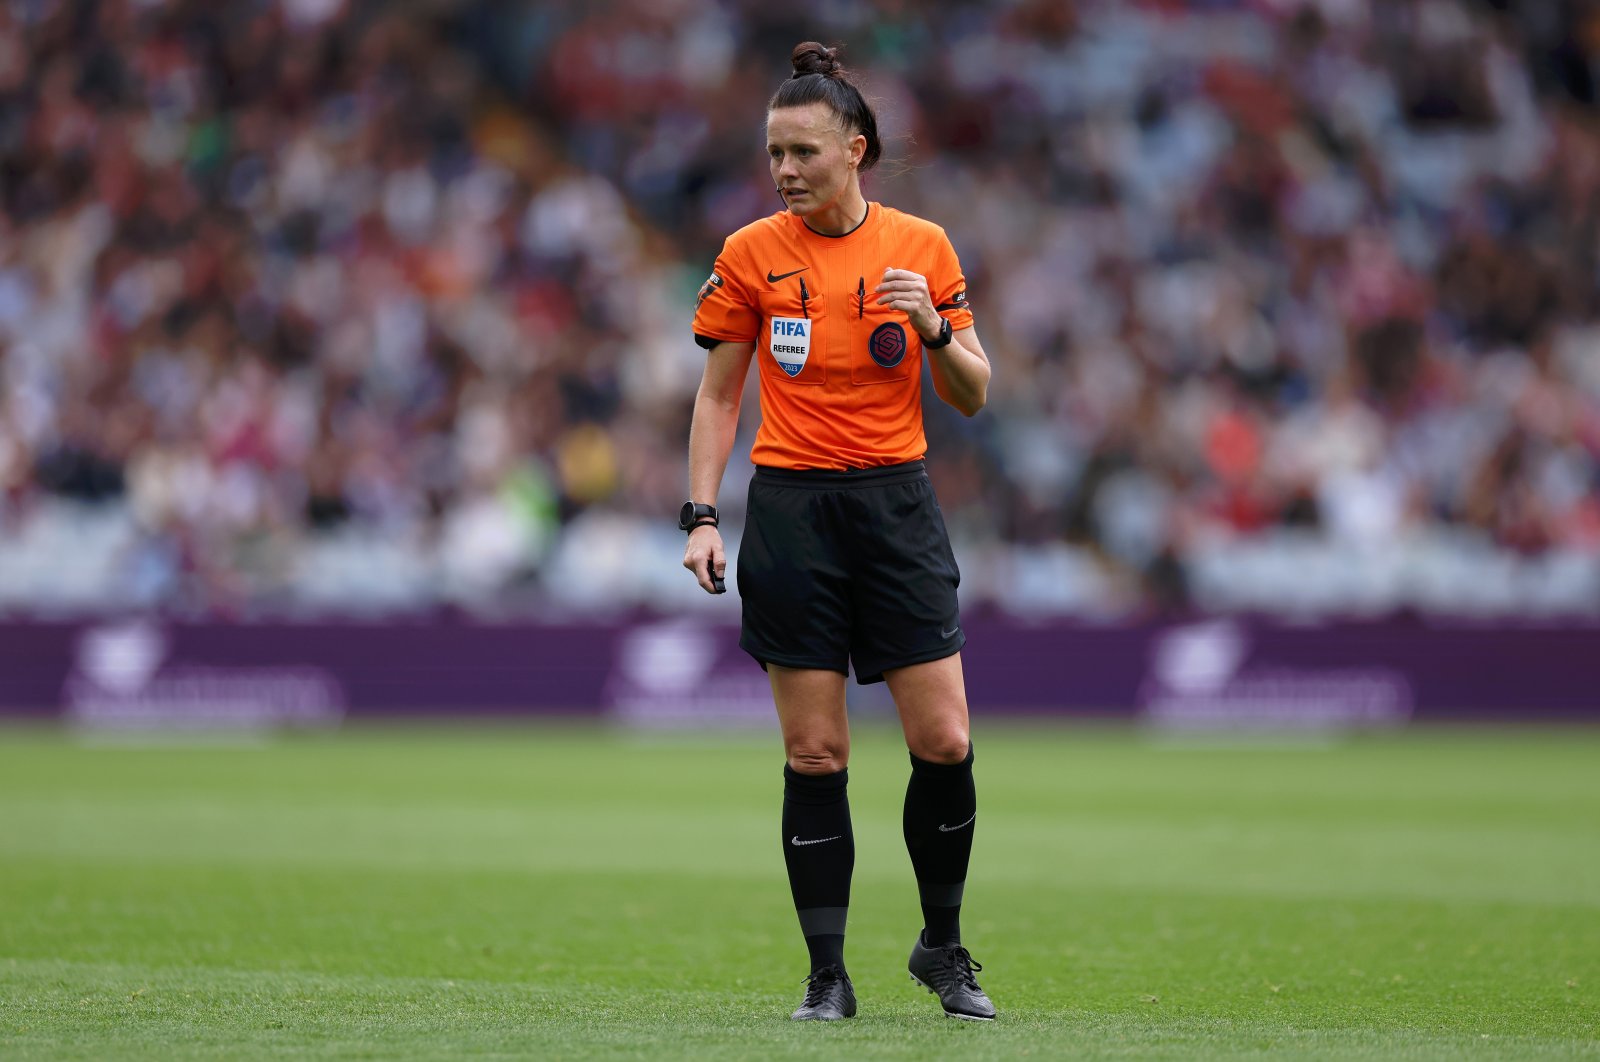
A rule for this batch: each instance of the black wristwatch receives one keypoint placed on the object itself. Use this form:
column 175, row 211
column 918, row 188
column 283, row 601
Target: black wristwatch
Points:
column 695, row 514
column 946, row 333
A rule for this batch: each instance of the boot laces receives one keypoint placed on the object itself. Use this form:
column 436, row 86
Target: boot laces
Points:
column 819, row 982
column 962, row 965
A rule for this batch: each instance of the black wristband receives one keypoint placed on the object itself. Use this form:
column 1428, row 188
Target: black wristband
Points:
column 942, row 340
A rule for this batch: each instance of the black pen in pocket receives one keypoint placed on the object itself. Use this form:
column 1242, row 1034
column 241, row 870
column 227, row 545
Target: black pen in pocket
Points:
column 861, row 297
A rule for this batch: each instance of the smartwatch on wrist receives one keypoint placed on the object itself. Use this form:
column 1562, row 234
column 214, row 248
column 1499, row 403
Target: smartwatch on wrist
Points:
column 696, row 514
column 946, row 333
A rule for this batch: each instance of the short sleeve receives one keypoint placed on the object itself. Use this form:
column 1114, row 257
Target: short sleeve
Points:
column 948, row 286
column 725, row 310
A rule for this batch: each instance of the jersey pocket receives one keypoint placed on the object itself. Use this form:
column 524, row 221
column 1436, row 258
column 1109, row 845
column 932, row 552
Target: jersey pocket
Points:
column 884, row 349
column 793, row 337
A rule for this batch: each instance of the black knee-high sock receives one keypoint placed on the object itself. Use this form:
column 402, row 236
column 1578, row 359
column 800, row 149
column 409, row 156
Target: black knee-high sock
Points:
column 941, row 814
column 820, row 852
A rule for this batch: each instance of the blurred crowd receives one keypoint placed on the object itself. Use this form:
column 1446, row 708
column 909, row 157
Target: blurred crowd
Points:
column 367, row 305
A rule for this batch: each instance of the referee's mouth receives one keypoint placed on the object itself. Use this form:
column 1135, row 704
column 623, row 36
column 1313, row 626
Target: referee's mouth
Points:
column 793, row 193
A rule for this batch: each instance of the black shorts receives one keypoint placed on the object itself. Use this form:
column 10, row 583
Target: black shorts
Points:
column 847, row 567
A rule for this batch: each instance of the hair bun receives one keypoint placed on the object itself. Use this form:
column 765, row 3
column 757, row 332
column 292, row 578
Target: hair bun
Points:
column 812, row 58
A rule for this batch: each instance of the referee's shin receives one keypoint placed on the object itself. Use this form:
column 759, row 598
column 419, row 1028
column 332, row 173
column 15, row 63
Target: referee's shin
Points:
column 819, row 850
column 940, row 815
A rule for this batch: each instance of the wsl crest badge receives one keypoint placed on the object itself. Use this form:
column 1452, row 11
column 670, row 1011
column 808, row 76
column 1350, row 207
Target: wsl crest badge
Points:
column 790, row 343
column 887, row 345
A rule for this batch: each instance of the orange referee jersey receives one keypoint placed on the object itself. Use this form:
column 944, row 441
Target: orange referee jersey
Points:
column 841, row 376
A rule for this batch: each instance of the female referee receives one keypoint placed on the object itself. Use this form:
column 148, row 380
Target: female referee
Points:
column 845, row 559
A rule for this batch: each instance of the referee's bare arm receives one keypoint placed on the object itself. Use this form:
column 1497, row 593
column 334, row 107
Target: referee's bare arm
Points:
column 960, row 369
column 711, row 432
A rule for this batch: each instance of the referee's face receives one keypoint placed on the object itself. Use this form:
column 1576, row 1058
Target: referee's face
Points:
column 812, row 161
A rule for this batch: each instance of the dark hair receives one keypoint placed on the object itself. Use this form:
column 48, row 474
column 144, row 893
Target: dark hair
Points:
column 818, row 78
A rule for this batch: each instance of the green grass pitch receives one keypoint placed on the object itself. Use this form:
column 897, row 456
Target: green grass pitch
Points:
column 572, row 892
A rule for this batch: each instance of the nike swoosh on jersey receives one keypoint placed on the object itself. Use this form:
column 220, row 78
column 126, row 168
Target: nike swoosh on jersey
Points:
column 784, row 276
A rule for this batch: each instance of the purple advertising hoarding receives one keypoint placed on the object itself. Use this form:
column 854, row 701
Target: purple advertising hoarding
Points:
column 1217, row 671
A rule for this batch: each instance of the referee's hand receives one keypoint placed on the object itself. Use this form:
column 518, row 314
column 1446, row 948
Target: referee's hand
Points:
column 703, row 555
column 907, row 292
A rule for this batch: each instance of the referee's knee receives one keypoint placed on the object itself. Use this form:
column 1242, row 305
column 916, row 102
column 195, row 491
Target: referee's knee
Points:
column 817, row 758
column 944, row 745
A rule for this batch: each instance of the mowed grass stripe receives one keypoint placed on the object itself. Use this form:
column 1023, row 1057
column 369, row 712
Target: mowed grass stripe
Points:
column 1427, row 894
column 1242, row 850
column 1261, row 852
column 262, row 1014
